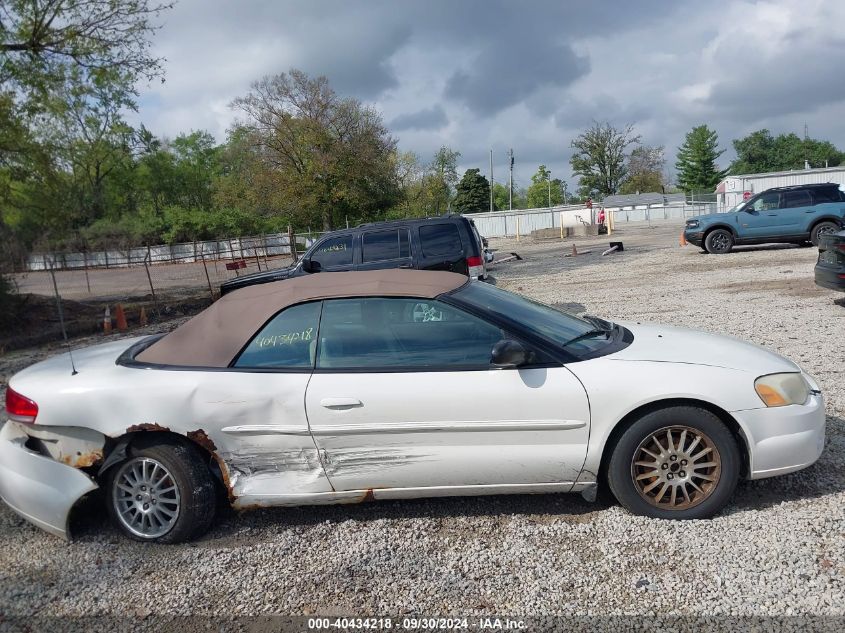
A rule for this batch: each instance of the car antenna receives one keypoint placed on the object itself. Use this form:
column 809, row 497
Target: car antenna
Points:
column 73, row 371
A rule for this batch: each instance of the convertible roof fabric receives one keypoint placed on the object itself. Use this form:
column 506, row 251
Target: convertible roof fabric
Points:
column 215, row 336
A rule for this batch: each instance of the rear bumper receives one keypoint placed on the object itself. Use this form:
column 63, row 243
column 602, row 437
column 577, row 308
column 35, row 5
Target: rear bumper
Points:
column 39, row 489
column 831, row 278
column 782, row 440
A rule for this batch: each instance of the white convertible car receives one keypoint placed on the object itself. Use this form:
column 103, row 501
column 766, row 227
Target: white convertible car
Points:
column 346, row 387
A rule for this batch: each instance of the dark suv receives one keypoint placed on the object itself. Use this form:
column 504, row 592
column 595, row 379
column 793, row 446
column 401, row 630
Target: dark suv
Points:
column 449, row 243
column 797, row 214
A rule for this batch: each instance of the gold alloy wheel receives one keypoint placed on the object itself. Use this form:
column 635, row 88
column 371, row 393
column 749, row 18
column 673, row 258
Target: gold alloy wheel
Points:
column 676, row 468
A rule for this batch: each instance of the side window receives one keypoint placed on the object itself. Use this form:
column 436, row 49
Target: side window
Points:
column 440, row 239
column 793, row 199
column 832, row 194
column 288, row 340
column 379, row 246
column 334, row 252
column 767, row 201
column 384, row 333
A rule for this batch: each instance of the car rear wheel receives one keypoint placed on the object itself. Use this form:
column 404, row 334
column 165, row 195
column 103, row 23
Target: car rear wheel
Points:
column 675, row 463
column 163, row 492
column 822, row 228
column 719, row 241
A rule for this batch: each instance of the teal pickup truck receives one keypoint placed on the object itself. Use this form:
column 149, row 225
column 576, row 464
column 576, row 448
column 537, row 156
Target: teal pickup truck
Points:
column 798, row 215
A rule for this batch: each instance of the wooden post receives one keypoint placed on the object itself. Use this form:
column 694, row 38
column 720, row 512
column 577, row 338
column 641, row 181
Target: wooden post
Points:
column 207, row 278
column 292, row 244
column 517, row 228
column 87, row 280
column 561, row 225
column 152, row 289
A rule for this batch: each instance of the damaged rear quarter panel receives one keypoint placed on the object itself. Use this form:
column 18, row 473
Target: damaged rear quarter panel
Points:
column 275, row 453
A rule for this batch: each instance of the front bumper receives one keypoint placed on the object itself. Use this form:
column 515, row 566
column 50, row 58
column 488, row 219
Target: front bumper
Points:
column 39, row 489
column 694, row 236
column 782, row 440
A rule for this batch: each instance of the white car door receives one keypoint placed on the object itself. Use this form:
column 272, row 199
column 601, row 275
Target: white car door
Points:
column 403, row 396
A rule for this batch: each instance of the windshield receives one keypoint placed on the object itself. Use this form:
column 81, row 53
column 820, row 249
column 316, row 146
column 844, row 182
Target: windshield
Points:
column 578, row 335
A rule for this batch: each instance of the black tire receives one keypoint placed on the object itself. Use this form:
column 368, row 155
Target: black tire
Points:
column 187, row 468
column 719, row 241
column 623, row 469
column 820, row 229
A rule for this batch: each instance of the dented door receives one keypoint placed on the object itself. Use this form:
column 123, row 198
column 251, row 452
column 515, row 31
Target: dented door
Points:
column 440, row 429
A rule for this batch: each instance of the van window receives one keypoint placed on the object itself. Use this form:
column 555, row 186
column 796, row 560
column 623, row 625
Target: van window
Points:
column 379, row 246
column 334, row 252
column 440, row 239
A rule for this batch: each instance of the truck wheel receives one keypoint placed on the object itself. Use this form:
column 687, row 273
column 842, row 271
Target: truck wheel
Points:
column 822, row 228
column 676, row 463
column 719, row 241
column 163, row 493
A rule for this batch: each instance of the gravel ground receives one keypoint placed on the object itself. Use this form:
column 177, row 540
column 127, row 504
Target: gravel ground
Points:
column 778, row 549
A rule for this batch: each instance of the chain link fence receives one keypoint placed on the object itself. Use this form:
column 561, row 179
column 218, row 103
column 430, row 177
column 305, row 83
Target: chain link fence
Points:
column 142, row 285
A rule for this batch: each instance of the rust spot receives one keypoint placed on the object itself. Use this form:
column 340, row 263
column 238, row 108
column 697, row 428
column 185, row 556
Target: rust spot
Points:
column 368, row 496
column 224, row 471
column 146, row 426
column 83, row 460
column 199, row 436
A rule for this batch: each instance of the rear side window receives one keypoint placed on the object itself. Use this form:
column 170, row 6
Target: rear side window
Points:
column 800, row 198
column 379, row 246
column 832, row 194
column 334, row 252
column 440, row 239
column 289, row 340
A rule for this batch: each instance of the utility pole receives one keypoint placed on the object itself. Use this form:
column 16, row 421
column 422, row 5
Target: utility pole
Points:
column 491, row 180
column 510, row 180
column 550, row 189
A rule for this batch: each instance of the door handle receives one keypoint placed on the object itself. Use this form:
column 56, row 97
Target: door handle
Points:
column 340, row 403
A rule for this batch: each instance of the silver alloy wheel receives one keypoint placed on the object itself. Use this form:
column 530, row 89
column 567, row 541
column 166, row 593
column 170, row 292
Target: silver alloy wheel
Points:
column 676, row 468
column 720, row 242
column 826, row 229
column 146, row 497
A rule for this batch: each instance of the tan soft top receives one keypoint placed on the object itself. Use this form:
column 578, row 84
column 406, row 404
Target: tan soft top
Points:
column 215, row 336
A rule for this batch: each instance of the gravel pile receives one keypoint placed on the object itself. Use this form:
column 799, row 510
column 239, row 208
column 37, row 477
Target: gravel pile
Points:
column 778, row 549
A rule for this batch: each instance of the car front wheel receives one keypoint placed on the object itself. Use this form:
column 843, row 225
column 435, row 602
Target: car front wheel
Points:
column 163, row 492
column 822, row 228
column 719, row 241
column 675, row 463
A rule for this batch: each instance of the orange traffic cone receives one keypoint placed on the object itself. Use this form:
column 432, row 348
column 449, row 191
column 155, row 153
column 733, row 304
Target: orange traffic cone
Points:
column 143, row 318
column 107, row 321
column 683, row 239
column 574, row 251
column 120, row 318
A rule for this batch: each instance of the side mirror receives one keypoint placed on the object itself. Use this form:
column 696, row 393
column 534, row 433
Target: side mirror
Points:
column 507, row 354
column 310, row 266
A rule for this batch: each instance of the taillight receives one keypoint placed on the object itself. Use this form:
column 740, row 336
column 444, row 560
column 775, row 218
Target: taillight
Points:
column 474, row 261
column 20, row 408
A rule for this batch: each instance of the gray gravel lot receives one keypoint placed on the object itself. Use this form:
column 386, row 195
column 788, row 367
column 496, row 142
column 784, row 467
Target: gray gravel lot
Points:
column 778, row 549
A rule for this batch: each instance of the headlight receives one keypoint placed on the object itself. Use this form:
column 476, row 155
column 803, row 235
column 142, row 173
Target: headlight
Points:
column 779, row 390
column 692, row 224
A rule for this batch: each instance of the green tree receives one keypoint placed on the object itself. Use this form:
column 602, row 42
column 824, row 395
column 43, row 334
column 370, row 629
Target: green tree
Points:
column 332, row 154
column 645, row 170
column 599, row 158
column 543, row 189
column 761, row 152
column 696, row 164
column 473, row 193
column 501, row 197
column 443, row 178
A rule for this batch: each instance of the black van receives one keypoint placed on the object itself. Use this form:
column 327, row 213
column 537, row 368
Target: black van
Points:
column 443, row 243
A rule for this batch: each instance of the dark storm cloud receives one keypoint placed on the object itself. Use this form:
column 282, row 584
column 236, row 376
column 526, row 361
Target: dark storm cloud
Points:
column 428, row 119
column 498, row 79
column 481, row 74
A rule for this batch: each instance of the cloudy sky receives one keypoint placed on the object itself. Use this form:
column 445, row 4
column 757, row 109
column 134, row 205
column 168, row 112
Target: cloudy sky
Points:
column 492, row 74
